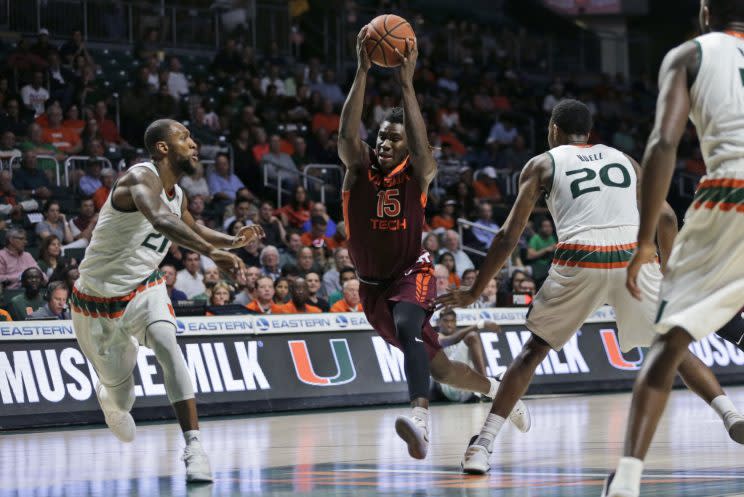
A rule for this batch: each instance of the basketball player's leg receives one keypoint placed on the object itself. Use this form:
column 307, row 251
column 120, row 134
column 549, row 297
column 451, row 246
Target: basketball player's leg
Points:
column 409, row 319
column 460, row 375
column 475, row 347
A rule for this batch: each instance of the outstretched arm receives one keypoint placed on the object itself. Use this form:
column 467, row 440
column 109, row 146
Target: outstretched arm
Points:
column 351, row 148
column 422, row 160
column 672, row 110
column 531, row 183
column 218, row 239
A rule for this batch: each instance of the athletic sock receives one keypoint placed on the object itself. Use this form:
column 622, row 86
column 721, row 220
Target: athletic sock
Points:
column 490, row 430
column 723, row 406
column 191, row 436
column 628, row 474
column 494, row 388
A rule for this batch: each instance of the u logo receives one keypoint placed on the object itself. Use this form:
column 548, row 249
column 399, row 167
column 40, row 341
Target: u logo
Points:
column 615, row 355
column 345, row 371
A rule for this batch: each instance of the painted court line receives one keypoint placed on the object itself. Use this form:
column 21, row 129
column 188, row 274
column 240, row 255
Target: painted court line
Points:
column 712, row 476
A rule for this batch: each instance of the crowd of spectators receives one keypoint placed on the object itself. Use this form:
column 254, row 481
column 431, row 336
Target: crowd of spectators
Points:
column 485, row 111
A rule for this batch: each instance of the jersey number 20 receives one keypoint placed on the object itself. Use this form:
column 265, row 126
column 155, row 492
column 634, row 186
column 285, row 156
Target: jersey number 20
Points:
column 588, row 175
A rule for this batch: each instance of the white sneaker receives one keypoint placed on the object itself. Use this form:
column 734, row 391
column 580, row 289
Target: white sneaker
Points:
column 734, row 423
column 612, row 488
column 475, row 460
column 520, row 415
column 120, row 423
column 415, row 434
column 197, row 463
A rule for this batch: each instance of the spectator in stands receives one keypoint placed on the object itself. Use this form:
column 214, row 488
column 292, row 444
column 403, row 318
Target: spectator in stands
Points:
column 227, row 60
column 219, row 294
column 314, row 288
column 431, row 243
column 56, row 303
column 54, row 223
column 273, row 78
column 331, row 281
column 73, row 48
column 306, row 262
column 485, row 219
column 170, row 275
column 68, row 273
column 42, row 48
column 272, row 226
column 502, row 134
column 490, row 296
column 90, row 182
column 280, row 162
column 64, row 139
column 345, row 274
column 465, row 198
column 73, row 119
column 468, row 278
column 452, row 245
column 298, row 301
column 318, row 232
column 12, row 119
column 8, row 147
column 81, row 226
column 24, row 304
column 61, row 81
column 447, row 260
column 270, row 262
column 340, row 237
column 108, row 176
column 297, row 211
column 326, row 118
column 540, row 250
column 351, row 301
column 319, row 209
column 442, row 277
column 190, row 280
column 211, row 278
column 293, row 245
column 34, row 95
column 486, row 187
column 35, row 143
column 163, row 104
column 31, row 181
column 108, row 128
column 264, row 301
column 178, row 85
column 251, row 253
column 281, row 290
column 243, row 211
column 195, row 184
column 136, row 108
column 329, row 89
column 50, row 255
column 223, row 185
column 445, row 219
column 200, row 130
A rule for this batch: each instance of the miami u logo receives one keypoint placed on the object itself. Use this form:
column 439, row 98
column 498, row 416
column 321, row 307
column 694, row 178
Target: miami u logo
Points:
column 304, row 366
column 615, row 355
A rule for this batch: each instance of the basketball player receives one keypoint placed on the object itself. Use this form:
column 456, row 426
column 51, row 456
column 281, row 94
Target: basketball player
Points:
column 120, row 299
column 592, row 195
column 384, row 195
column 703, row 287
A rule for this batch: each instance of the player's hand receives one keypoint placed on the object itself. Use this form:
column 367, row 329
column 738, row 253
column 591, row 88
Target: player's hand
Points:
column 363, row 60
column 247, row 234
column 229, row 263
column 645, row 253
column 492, row 326
column 408, row 65
column 455, row 298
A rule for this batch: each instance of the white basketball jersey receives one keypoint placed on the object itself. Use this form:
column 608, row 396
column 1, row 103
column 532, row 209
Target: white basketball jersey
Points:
column 717, row 98
column 125, row 249
column 594, row 186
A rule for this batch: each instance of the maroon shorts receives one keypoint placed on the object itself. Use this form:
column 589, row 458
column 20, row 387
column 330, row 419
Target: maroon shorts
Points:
column 418, row 286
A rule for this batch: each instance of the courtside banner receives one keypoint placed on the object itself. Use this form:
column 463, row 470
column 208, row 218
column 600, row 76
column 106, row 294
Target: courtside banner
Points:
column 45, row 380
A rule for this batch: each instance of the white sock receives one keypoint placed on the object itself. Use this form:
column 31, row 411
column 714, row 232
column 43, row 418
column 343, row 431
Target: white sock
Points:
column 723, row 406
column 191, row 436
column 628, row 474
column 494, row 388
column 490, row 430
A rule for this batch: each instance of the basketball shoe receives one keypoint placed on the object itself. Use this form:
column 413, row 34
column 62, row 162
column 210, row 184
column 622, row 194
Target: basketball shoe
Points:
column 734, row 423
column 520, row 415
column 197, row 463
column 414, row 431
column 609, row 491
column 477, row 455
column 119, row 422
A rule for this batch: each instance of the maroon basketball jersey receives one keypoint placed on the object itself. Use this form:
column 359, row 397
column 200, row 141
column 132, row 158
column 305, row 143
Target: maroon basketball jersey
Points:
column 384, row 217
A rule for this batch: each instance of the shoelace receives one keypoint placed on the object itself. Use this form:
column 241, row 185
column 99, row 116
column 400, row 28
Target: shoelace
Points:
column 189, row 452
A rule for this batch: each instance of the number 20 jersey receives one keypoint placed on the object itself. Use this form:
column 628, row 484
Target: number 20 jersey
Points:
column 594, row 187
column 125, row 248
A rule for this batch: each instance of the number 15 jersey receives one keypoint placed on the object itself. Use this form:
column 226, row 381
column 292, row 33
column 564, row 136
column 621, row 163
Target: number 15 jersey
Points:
column 594, row 187
column 125, row 248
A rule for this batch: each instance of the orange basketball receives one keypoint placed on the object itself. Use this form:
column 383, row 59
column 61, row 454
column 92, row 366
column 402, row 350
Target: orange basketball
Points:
column 386, row 33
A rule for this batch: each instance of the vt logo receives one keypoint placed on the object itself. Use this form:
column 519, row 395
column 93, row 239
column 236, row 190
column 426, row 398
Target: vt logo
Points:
column 615, row 355
column 304, row 366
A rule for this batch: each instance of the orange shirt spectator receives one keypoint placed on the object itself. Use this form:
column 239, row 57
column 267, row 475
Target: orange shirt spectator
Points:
column 255, row 307
column 5, row 316
column 343, row 306
column 65, row 139
column 296, row 212
column 308, row 239
column 289, row 308
column 486, row 187
column 326, row 119
column 351, row 301
column 457, row 145
column 454, row 280
column 442, row 222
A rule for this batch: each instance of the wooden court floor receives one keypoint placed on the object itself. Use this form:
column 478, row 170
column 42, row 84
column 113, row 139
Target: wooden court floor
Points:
column 354, row 452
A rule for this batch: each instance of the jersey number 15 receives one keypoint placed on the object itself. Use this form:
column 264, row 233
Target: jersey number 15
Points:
column 387, row 203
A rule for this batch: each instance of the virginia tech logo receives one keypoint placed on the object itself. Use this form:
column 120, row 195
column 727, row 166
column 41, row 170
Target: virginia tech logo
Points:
column 615, row 355
column 345, row 371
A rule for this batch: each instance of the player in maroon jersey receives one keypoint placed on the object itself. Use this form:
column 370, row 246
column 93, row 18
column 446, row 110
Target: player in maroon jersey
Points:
column 384, row 196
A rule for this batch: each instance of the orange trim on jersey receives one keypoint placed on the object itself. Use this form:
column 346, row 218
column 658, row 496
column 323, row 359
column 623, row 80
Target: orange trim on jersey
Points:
column 737, row 34
column 345, row 195
column 398, row 168
column 424, row 199
column 596, row 248
column 724, row 206
column 721, row 183
column 593, row 265
column 422, row 286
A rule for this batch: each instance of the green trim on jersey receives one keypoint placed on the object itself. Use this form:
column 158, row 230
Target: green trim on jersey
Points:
column 691, row 81
column 552, row 174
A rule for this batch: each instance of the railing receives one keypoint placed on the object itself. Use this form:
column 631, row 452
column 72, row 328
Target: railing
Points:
column 15, row 162
column 324, row 172
column 284, row 172
column 463, row 224
column 70, row 164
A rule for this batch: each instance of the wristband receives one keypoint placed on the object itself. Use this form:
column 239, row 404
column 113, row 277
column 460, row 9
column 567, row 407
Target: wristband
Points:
column 480, row 324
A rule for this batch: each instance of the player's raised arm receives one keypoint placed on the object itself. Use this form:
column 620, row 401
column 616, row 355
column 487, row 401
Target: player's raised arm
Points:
column 534, row 175
column 218, row 239
column 672, row 110
column 422, row 160
column 351, row 149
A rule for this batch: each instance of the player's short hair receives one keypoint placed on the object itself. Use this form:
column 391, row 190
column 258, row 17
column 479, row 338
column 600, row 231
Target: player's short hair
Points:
column 725, row 11
column 448, row 312
column 572, row 116
column 157, row 131
column 395, row 115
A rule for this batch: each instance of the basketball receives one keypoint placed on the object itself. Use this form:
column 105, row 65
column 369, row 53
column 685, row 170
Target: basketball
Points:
column 386, row 33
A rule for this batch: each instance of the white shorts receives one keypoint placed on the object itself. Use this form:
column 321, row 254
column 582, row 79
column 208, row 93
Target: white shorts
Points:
column 587, row 274
column 704, row 284
column 461, row 353
column 109, row 330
